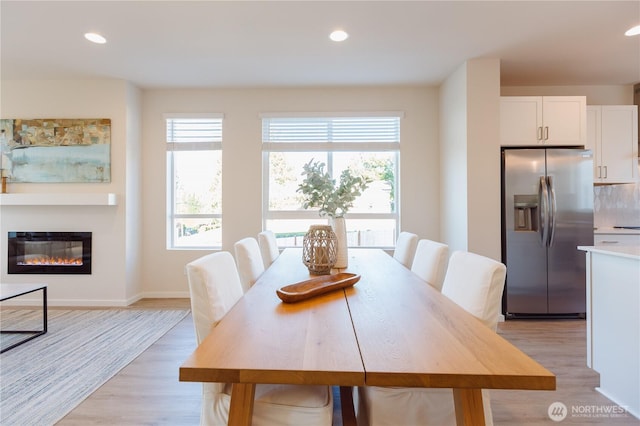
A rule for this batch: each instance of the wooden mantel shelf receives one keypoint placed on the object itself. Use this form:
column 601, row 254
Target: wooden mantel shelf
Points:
column 81, row 199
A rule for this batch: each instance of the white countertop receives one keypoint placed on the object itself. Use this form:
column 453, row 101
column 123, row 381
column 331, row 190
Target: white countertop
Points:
column 632, row 252
column 616, row 231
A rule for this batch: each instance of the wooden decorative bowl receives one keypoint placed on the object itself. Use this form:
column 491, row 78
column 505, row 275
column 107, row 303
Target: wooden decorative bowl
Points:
column 305, row 289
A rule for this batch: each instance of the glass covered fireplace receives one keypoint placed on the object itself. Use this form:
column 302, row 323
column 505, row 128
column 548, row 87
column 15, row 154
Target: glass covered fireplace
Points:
column 49, row 253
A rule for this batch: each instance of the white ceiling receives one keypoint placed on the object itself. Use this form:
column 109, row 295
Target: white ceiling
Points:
column 285, row 43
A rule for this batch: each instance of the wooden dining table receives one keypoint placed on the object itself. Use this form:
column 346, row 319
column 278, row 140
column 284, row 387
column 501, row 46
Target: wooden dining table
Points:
column 390, row 329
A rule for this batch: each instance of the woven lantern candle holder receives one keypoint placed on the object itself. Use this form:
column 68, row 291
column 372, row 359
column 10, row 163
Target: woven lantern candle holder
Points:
column 319, row 249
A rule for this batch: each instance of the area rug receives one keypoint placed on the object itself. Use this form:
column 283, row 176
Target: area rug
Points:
column 45, row 378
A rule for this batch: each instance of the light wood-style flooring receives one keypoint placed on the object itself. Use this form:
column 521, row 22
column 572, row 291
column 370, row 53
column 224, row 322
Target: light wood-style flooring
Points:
column 147, row 391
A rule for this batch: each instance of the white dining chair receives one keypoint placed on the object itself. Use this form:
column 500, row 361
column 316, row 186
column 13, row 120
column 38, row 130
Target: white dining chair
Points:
column 249, row 261
column 430, row 262
column 268, row 247
column 214, row 287
column 475, row 283
column 405, row 248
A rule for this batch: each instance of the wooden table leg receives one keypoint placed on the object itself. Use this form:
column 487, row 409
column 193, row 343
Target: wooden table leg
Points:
column 469, row 408
column 346, row 405
column 241, row 408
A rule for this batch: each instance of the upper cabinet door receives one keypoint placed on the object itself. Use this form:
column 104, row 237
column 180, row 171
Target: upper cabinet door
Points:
column 564, row 120
column 520, row 120
column 593, row 137
column 613, row 138
column 619, row 136
column 543, row 120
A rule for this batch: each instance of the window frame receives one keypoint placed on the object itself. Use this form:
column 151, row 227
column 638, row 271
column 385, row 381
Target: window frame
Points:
column 172, row 147
column 329, row 148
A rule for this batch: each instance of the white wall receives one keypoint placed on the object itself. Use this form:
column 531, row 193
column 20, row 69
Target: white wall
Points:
column 242, row 162
column 470, row 158
column 133, row 201
column 596, row 95
column 109, row 282
column 453, row 160
column 483, row 157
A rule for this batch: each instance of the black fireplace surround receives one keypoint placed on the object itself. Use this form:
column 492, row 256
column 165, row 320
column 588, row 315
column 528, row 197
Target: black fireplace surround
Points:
column 49, row 253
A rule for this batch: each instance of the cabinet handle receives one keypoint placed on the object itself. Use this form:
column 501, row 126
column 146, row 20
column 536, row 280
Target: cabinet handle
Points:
column 599, row 172
column 605, row 172
column 609, row 242
column 546, row 133
column 540, row 133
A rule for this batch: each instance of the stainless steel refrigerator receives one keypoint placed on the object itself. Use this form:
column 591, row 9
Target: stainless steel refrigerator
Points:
column 547, row 211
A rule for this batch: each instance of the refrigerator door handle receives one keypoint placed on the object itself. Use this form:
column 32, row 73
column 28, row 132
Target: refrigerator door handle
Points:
column 543, row 202
column 552, row 210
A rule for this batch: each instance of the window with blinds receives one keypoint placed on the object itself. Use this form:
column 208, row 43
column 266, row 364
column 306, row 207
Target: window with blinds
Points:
column 194, row 181
column 364, row 143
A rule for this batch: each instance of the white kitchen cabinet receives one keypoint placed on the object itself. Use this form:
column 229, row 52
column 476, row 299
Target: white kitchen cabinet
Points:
column 613, row 322
column 543, row 120
column 614, row 240
column 612, row 135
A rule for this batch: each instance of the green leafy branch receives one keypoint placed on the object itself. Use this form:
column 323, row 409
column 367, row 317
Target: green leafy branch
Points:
column 319, row 189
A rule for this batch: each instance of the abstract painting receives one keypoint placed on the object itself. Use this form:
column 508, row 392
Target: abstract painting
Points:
column 56, row 150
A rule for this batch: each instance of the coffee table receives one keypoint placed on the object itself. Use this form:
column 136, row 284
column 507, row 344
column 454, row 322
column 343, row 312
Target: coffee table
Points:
column 10, row 291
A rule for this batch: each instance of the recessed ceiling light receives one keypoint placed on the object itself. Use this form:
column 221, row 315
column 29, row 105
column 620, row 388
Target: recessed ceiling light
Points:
column 338, row 35
column 633, row 31
column 95, row 38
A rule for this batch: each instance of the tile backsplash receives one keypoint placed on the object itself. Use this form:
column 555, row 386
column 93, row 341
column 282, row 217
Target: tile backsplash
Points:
column 616, row 205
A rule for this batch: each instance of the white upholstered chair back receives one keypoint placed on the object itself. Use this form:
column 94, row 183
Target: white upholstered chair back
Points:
column 476, row 283
column 430, row 262
column 405, row 248
column 214, row 286
column 249, row 261
column 268, row 247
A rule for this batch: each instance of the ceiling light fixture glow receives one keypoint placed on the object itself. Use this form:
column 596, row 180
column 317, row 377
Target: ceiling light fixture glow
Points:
column 633, row 31
column 338, row 35
column 95, row 38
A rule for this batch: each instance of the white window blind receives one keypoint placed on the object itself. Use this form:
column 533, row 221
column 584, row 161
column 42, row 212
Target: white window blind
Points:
column 193, row 133
column 181, row 130
column 330, row 129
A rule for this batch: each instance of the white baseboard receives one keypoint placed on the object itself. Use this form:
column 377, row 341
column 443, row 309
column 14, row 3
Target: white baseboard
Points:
column 88, row 303
column 164, row 295
column 159, row 295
